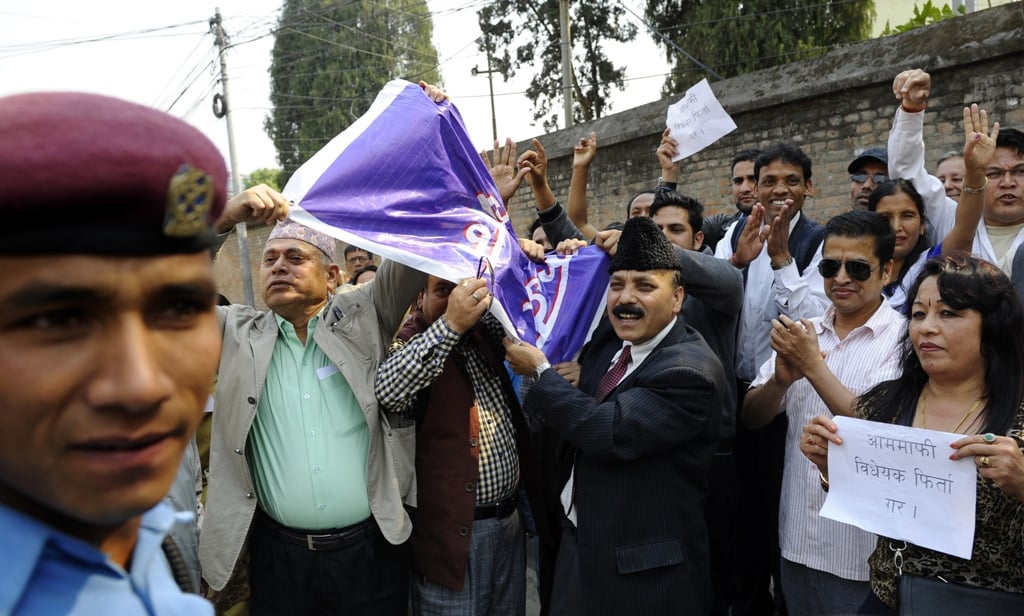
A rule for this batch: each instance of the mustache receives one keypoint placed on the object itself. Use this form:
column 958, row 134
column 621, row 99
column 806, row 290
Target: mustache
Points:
column 633, row 311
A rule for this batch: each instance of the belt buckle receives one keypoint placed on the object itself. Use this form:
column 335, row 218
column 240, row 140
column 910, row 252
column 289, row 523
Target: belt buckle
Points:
column 309, row 541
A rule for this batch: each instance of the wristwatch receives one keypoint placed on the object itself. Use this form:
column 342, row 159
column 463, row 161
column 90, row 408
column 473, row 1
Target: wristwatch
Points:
column 782, row 265
column 539, row 370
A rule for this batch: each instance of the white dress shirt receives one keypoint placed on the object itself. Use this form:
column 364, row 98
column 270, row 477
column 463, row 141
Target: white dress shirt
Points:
column 868, row 355
column 769, row 293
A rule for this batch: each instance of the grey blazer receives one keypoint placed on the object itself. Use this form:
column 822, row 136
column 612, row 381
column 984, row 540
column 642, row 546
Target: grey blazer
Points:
column 354, row 333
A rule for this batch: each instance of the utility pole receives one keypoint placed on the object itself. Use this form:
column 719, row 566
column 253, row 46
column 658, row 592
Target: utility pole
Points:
column 563, row 20
column 490, row 82
column 224, row 111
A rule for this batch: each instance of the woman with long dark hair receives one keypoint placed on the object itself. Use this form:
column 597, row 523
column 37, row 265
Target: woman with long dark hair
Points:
column 900, row 203
column 963, row 372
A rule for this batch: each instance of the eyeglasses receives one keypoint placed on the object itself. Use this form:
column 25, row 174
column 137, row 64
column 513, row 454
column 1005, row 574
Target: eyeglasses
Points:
column 858, row 270
column 860, row 178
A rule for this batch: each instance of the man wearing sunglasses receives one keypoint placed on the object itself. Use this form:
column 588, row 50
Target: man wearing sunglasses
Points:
column 867, row 171
column 819, row 366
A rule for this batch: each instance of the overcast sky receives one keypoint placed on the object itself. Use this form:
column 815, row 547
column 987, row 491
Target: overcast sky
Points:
column 162, row 54
column 167, row 62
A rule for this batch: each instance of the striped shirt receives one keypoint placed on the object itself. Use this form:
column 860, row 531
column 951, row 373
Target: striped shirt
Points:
column 868, row 355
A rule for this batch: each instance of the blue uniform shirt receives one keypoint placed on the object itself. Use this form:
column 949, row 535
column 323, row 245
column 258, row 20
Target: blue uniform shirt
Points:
column 44, row 572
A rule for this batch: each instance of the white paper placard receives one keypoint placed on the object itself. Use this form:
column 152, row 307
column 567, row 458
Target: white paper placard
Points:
column 899, row 482
column 697, row 120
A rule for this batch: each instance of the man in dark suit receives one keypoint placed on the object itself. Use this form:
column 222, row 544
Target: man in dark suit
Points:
column 644, row 425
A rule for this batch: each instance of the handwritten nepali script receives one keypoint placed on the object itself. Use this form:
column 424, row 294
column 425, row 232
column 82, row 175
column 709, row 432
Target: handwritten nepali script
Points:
column 899, row 482
column 697, row 120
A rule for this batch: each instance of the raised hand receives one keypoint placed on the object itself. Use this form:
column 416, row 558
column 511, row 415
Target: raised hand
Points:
column 536, row 162
column 751, row 240
column 912, row 89
column 504, row 169
column 667, row 150
column 583, row 153
column 259, row 203
column 979, row 145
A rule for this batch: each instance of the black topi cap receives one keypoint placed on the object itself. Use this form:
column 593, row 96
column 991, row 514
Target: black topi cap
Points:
column 642, row 247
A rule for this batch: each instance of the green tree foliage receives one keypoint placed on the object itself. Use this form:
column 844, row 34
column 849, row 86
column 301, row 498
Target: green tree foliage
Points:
column 927, row 14
column 331, row 58
column 739, row 36
column 525, row 34
column 264, row 175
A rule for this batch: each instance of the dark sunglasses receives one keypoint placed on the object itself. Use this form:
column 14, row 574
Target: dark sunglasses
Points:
column 860, row 178
column 858, row 270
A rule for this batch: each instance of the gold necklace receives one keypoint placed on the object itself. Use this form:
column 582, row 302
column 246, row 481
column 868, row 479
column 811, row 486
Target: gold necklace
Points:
column 956, row 428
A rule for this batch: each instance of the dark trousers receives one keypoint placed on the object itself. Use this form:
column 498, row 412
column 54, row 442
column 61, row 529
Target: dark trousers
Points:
column 720, row 513
column 873, row 606
column 368, row 576
column 567, row 595
column 759, row 456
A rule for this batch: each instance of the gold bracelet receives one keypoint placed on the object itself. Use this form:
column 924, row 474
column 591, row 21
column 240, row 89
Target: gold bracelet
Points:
column 975, row 191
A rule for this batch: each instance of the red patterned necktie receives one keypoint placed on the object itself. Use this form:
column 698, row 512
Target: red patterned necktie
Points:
column 612, row 377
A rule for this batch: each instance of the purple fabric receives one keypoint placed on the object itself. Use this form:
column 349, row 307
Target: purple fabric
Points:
column 405, row 182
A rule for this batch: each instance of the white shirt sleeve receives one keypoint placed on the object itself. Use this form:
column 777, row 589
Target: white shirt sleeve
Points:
column 906, row 161
column 800, row 297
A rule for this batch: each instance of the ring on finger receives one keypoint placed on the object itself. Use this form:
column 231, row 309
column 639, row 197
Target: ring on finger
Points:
column 985, row 462
column 477, row 297
column 810, row 440
column 989, row 437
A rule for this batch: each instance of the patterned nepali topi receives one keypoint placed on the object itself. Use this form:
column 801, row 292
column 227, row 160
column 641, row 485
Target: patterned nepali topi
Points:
column 90, row 174
column 643, row 247
column 290, row 230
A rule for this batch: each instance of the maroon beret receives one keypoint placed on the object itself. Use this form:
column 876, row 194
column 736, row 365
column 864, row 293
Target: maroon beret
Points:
column 84, row 173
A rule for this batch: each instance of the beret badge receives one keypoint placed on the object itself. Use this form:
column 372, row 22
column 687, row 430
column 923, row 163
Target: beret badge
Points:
column 189, row 200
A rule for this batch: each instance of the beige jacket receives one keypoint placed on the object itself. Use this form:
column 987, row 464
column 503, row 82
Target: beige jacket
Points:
column 354, row 332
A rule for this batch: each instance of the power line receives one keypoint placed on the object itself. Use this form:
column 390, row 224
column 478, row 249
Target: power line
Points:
column 202, row 63
column 21, row 49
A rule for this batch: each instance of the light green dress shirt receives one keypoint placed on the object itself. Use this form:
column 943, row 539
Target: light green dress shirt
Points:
column 309, row 442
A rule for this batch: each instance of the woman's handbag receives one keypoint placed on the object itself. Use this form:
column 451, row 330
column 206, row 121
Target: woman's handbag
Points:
column 928, row 596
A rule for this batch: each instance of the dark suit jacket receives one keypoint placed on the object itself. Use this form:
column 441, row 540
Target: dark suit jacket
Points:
column 641, row 459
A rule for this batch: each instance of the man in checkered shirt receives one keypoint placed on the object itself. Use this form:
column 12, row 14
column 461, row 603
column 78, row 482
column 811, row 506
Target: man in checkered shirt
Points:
column 446, row 371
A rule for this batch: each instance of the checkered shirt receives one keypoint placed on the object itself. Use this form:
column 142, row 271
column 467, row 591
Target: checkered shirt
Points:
column 412, row 366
